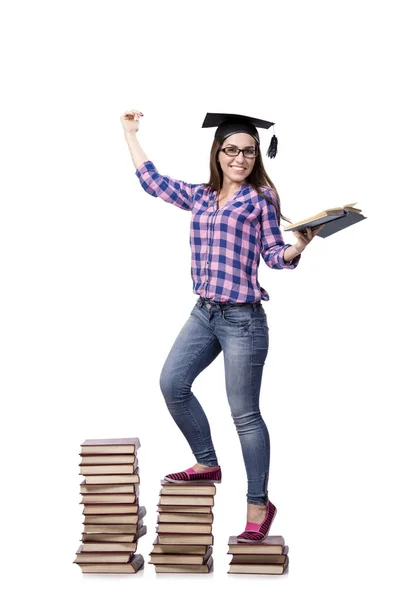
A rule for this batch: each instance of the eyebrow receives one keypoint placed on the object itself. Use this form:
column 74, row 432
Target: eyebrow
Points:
column 234, row 146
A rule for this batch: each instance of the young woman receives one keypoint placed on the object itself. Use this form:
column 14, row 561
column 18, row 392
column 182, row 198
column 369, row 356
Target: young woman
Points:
column 235, row 219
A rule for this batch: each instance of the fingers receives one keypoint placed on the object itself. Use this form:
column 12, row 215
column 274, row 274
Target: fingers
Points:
column 132, row 115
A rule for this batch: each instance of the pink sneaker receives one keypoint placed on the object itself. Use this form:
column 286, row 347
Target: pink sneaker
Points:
column 257, row 532
column 212, row 475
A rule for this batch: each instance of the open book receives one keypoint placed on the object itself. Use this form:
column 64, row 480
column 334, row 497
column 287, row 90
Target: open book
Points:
column 334, row 219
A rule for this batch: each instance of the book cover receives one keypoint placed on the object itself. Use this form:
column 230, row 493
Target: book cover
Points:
column 183, row 528
column 187, row 500
column 178, row 517
column 204, row 568
column 186, row 538
column 132, row 566
column 273, row 544
column 157, row 558
column 333, row 219
column 260, row 569
column 165, row 508
column 112, row 509
column 113, row 519
column 108, row 498
column 120, row 469
column 109, row 488
column 114, row 537
column 117, row 557
column 159, row 548
column 107, row 459
column 110, row 446
column 112, row 479
column 188, row 489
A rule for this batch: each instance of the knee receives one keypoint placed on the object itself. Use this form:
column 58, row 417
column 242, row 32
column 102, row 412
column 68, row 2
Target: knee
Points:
column 246, row 422
column 171, row 386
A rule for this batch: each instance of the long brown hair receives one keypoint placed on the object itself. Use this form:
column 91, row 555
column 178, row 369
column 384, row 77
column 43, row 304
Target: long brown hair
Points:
column 258, row 177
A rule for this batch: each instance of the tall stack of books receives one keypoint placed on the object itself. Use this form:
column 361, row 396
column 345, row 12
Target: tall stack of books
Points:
column 269, row 557
column 184, row 528
column 113, row 519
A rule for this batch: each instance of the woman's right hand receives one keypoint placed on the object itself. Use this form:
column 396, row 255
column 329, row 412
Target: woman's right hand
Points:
column 130, row 120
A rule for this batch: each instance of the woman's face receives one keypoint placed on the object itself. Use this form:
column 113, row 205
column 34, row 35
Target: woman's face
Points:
column 237, row 168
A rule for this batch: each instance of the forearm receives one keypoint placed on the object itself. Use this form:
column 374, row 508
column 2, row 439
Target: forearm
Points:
column 137, row 153
column 291, row 253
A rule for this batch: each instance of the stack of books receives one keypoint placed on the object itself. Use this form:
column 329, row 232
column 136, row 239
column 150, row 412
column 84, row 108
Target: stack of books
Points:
column 184, row 528
column 269, row 557
column 113, row 519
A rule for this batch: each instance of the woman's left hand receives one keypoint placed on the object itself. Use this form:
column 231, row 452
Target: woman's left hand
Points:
column 304, row 238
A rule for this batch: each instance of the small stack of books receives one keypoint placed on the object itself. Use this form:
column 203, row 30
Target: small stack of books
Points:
column 184, row 528
column 113, row 519
column 269, row 557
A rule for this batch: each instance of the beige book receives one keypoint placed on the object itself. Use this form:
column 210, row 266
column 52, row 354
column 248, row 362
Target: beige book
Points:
column 111, row 446
column 183, row 528
column 258, row 569
column 107, row 469
column 204, row 568
column 108, row 498
column 187, row 500
column 186, row 538
column 273, row 544
column 112, row 509
column 108, row 459
column 180, row 559
column 178, row 548
column 169, row 517
column 165, row 508
column 96, row 557
column 188, row 490
column 112, row 479
column 108, row 488
column 132, row 566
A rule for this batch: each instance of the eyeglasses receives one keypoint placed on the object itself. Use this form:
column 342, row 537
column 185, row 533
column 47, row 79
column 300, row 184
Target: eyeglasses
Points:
column 249, row 152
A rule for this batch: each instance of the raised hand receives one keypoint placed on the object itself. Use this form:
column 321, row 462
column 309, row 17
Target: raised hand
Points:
column 130, row 120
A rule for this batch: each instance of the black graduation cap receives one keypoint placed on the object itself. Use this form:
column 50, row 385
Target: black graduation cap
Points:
column 228, row 124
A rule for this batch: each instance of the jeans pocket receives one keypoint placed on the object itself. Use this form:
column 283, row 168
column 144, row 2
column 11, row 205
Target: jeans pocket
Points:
column 237, row 316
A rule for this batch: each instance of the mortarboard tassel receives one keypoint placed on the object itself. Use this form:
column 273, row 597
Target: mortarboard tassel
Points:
column 273, row 147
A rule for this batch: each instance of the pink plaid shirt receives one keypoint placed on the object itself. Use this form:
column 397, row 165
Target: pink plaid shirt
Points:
column 226, row 243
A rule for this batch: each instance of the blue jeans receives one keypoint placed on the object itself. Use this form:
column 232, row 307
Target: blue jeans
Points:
column 241, row 332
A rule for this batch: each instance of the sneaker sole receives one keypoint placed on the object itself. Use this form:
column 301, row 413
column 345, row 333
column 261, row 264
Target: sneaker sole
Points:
column 242, row 541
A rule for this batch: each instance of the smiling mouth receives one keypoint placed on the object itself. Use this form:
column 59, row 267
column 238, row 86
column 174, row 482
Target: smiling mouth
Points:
column 238, row 169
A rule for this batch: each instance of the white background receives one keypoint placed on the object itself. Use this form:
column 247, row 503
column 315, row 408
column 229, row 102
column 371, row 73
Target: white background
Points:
column 95, row 278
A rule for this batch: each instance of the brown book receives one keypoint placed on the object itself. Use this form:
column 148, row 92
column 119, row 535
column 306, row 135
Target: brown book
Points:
column 273, row 544
column 122, row 520
column 107, row 528
column 108, row 498
column 111, row 509
column 178, row 548
column 184, row 528
column 165, row 508
column 111, row 446
column 108, row 459
column 104, row 557
column 132, row 566
column 186, row 538
column 112, row 479
column 109, row 488
column 169, row 517
column 260, row 569
column 262, row 559
column 187, row 500
column 157, row 558
column 188, row 489
column 127, row 469
column 204, row 568
column 114, row 537
column 102, row 547
column 334, row 219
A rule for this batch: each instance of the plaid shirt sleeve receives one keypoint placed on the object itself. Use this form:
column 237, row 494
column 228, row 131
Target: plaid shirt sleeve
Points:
column 272, row 243
column 171, row 190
